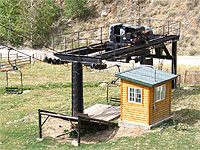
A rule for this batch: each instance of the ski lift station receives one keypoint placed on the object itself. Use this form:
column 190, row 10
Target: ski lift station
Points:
column 145, row 92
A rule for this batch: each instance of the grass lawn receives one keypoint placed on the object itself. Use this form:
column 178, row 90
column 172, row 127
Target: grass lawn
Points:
column 49, row 87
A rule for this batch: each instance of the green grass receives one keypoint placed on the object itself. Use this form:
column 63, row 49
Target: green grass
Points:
column 49, row 87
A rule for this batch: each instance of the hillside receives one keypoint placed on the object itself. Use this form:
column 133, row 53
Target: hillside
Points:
column 106, row 12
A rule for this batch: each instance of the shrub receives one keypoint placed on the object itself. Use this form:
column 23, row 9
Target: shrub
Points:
column 192, row 52
column 191, row 4
column 161, row 2
column 172, row 13
column 141, row 1
column 76, row 8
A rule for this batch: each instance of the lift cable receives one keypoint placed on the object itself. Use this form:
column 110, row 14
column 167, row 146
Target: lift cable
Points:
column 26, row 37
column 114, row 81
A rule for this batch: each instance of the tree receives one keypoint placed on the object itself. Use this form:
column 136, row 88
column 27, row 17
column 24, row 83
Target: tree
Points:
column 11, row 19
column 43, row 16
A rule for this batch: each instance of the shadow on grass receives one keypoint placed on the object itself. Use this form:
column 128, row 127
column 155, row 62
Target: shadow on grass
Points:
column 182, row 93
column 184, row 119
column 188, row 116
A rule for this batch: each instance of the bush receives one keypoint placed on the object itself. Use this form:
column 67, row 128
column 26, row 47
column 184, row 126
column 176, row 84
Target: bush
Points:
column 161, row 2
column 192, row 52
column 76, row 8
column 141, row 1
column 11, row 19
column 172, row 13
column 191, row 4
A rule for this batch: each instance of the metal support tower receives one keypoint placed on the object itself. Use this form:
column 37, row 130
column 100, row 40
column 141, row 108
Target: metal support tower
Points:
column 174, row 61
column 77, row 88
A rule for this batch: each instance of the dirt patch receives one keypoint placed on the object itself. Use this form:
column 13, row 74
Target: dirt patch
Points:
column 112, row 134
column 30, row 117
column 55, row 128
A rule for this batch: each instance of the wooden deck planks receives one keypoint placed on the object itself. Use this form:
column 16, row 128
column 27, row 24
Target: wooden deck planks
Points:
column 103, row 112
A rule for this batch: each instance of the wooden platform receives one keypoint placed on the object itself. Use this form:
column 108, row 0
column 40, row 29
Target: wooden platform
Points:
column 103, row 112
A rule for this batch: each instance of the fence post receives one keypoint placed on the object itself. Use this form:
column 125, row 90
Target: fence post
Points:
column 30, row 59
column 185, row 76
column 17, row 56
column 163, row 29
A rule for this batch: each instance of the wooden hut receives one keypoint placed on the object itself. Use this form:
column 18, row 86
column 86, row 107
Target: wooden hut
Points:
column 145, row 96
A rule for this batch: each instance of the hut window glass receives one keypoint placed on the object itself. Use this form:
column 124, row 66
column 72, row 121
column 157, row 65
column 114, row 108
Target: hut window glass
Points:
column 135, row 95
column 160, row 92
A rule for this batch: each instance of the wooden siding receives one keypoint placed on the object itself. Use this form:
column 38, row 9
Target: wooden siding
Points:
column 144, row 113
column 163, row 107
column 134, row 112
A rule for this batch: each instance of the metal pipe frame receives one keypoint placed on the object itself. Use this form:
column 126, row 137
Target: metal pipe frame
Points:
column 71, row 119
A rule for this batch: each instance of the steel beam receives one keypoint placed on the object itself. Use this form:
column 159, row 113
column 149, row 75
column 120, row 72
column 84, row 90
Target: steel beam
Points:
column 174, row 62
column 112, row 54
column 77, row 58
column 124, row 50
column 166, row 51
column 161, row 57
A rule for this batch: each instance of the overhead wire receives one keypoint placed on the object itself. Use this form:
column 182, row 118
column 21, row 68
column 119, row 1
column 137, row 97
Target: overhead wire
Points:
column 11, row 48
column 26, row 37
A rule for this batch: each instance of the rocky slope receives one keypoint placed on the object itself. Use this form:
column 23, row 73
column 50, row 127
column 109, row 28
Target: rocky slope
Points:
column 106, row 12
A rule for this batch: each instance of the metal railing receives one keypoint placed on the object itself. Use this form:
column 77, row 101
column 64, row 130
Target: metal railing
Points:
column 75, row 40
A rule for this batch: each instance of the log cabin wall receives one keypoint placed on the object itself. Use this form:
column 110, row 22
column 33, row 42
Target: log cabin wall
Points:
column 133, row 112
column 162, row 108
column 144, row 113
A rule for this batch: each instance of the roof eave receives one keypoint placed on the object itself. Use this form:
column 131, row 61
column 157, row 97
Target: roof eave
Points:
column 144, row 83
column 135, row 81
